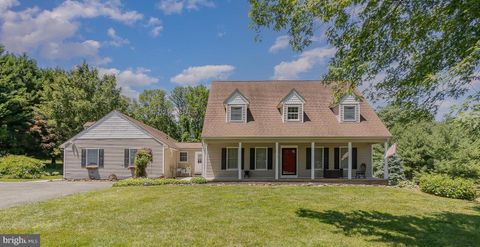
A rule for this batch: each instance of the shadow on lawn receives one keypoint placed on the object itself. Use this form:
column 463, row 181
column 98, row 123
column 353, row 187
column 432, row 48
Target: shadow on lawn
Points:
column 444, row 229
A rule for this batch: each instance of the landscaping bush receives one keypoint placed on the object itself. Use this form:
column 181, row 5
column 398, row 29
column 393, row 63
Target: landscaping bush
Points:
column 445, row 186
column 198, row 180
column 148, row 182
column 142, row 159
column 18, row 166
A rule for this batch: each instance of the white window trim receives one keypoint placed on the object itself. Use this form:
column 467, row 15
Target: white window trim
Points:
column 229, row 117
column 340, row 156
column 322, row 160
column 226, row 160
column 355, row 113
column 129, row 158
column 98, row 157
column 266, row 159
column 298, row 115
column 179, row 157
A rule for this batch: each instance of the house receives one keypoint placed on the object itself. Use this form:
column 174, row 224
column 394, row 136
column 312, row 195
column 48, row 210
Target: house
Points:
column 108, row 147
column 287, row 130
column 253, row 130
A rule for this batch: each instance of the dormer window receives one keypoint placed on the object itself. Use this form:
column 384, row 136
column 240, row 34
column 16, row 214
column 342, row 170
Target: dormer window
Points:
column 349, row 109
column 293, row 113
column 291, row 107
column 236, row 106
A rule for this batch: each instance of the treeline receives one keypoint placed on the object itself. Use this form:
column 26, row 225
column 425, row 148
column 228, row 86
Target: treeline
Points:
column 450, row 146
column 40, row 108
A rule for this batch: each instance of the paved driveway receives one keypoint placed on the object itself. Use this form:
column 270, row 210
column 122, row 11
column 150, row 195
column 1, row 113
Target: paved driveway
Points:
column 16, row 193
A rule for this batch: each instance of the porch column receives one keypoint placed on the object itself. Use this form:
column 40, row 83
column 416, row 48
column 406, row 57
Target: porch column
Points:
column 276, row 160
column 312, row 163
column 385, row 161
column 239, row 163
column 349, row 160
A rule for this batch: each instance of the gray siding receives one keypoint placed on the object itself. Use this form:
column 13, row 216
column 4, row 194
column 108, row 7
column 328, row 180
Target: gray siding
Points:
column 190, row 162
column 214, row 170
column 113, row 126
column 113, row 158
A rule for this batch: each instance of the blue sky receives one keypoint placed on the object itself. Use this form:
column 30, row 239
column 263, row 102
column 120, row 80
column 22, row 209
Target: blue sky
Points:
column 158, row 44
column 155, row 44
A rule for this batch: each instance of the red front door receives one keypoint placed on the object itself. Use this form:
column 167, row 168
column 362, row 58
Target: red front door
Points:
column 289, row 161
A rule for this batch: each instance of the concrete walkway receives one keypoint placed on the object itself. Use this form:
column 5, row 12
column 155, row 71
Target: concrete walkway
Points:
column 16, row 193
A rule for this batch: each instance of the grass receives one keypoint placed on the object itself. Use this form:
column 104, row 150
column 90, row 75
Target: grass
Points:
column 3, row 179
column 242, row 215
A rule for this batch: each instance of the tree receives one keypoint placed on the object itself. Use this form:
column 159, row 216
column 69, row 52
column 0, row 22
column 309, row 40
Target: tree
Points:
column 426, row 50
column 190, row 104
column 72, row 98
column 20, row 81
column 154, row 109
column 395, row 174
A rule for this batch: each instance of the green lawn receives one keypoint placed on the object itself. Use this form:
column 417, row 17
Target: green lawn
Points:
column 242, row 215
column 3, row 179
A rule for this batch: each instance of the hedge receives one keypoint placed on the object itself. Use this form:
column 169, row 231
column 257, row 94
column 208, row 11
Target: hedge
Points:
column 19, row 166
column 153, row 182
column 445, row 186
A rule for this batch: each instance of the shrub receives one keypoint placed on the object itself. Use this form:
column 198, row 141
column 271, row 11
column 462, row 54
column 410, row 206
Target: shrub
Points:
column 148, row 182
column 198, row 180
column 142, row 159
column 443, row 185
column 395, row 175
column 18, row 166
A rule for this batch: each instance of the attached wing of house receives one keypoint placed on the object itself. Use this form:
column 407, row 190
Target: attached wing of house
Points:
column 271, row 130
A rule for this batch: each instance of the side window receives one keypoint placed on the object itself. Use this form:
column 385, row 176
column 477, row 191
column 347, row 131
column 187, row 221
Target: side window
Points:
column 183, row 156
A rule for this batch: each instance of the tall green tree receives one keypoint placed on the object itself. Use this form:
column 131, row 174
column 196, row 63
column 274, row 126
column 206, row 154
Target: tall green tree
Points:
column 72, row 98
column 190, row 104
column 154, row 109
column 426, row 50
column 20, row 81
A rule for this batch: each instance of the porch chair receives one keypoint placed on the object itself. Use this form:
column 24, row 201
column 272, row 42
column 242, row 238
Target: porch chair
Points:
column 361, row 173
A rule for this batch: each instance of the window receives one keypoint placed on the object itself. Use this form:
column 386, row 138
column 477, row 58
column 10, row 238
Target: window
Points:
column 318, row 158
column 293, row 113
column 232, row 158
column 236, row 113
column 260, row 158
column 349, row 113
column 93, row 157
column 183, row 157
column 343, row 157
column 132, row 153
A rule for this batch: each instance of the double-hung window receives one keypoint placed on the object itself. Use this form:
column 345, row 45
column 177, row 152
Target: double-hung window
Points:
column 318, row 158
column 132, row 153
column 349, row 113
column 232, row 158
column 236, row 114
column 343, row 157
column 261, row 159
column 293, row 113
column 183, row 156
column 93, row 157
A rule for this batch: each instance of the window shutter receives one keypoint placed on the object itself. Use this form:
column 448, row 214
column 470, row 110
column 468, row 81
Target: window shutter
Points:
column 354, row 158
column 243, row 158
column 100, row 157
column 125, row 157
column 252, row 158
column 224, row 158
column 270, row 158
column 337, row 158
column 84, row 157
column 309, row 158
column 325, row 158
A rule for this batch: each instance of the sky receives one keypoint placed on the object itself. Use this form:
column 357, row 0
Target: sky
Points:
column 156, row 44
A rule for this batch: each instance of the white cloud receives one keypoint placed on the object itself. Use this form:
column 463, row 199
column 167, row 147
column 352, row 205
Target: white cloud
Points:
column 156, row 25
column 130, row 79
column 194, row 75
column 280, row 43
column 50, row 32
column 306, row 61
column 7, row 4
column 177, row 6
column 116, row 41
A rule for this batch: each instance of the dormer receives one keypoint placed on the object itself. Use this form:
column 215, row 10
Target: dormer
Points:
column 236, row 106
column 349, row 109
column 291, row 107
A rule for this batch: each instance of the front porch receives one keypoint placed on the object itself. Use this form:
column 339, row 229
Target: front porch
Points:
column 329, row 161
column 303, row 181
